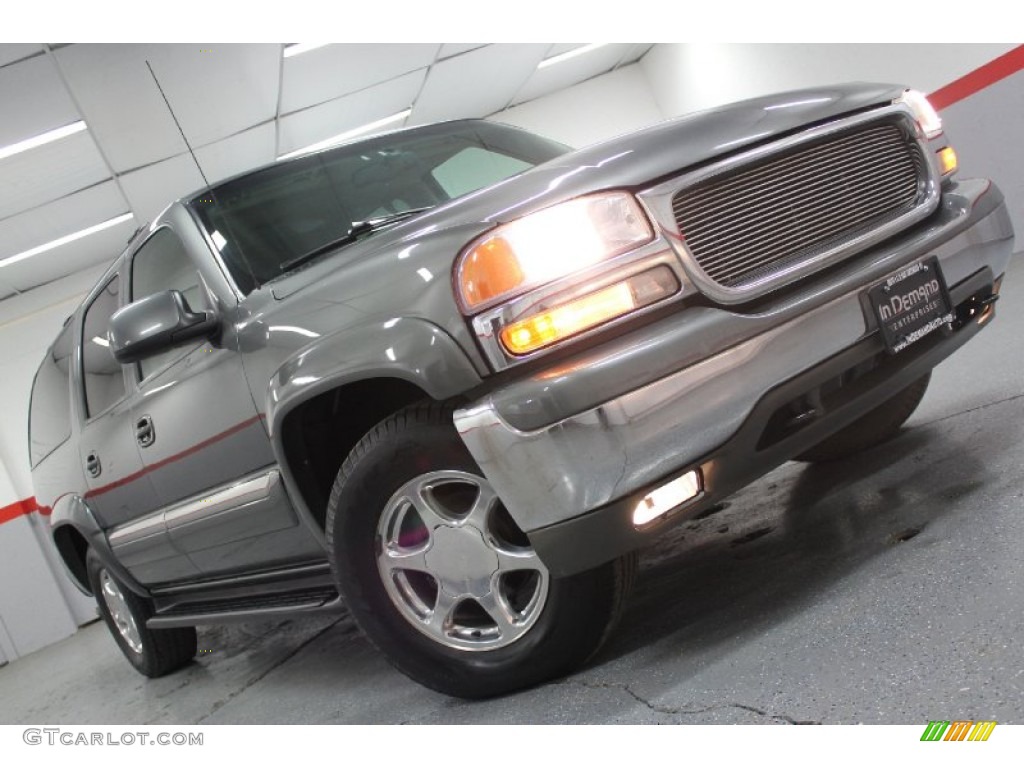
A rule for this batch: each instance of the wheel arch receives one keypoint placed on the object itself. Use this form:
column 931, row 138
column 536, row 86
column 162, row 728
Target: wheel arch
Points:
column 317, row 435
column 72, row 547
column 325, row 398
column 75, row 531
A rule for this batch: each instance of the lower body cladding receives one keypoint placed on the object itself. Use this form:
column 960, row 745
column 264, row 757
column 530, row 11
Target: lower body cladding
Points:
column 573, row 479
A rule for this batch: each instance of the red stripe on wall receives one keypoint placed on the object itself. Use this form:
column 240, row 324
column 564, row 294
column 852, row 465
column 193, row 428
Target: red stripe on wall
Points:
column 17, row 509
column 984, row 76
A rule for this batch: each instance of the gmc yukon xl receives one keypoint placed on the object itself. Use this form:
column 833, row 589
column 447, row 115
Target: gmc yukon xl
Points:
column 453, row 378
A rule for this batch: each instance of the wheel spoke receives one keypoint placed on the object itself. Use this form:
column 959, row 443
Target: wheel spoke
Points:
column 523, row 560
column 498, row 612
column 402, row 560
column 443, row 607
column 482, row 506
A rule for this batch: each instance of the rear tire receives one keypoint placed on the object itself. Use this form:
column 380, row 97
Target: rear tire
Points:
column 153, row 652
column 441, row 579
column 874, row 428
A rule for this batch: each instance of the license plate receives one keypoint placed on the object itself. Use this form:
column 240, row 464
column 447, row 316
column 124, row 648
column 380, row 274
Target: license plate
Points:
column 911, row 304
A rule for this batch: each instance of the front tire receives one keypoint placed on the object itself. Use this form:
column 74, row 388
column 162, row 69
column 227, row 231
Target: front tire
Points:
column 440, row 578
column 153, row 652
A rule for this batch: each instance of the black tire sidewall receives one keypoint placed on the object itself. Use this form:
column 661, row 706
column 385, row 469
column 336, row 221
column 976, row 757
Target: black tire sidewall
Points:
column 569, row 628
column 95, row 567
column 163, row 650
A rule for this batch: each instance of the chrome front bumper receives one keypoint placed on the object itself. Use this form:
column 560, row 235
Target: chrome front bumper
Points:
column 572, row 463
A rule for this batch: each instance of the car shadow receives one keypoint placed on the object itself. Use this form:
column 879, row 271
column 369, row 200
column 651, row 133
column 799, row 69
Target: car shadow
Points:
column 780, row 543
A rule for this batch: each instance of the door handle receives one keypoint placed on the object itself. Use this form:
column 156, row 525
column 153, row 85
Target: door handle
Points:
column 92, row 464
column 144, row 431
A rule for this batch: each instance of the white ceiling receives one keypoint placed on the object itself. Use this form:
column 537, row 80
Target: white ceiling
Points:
column 239, row 105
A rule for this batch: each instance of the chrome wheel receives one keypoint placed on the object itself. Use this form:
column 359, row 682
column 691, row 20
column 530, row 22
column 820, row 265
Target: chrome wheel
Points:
column 456, row 566
column 119, row 611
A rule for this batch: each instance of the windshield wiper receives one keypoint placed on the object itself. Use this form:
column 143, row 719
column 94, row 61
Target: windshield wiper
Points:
column 356, row 230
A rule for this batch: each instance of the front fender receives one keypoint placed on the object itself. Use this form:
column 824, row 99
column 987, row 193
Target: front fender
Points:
column 409, row 349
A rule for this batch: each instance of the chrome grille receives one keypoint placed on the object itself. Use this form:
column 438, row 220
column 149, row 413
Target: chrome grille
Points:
column 757, row 220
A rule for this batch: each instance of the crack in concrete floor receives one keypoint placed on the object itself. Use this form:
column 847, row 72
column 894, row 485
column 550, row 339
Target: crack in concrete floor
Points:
column 681, row 711
column 981, row 407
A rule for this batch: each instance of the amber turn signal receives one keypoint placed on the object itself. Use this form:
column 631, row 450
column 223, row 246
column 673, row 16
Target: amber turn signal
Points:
column 947, row 160
column 573, row 317
column 489, row 270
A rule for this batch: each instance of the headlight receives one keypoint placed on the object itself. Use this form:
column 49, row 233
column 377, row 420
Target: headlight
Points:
column 547, row 245
column 924, row 112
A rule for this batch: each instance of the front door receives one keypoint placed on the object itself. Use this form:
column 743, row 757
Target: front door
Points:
column 120, row 493
column 201, row 438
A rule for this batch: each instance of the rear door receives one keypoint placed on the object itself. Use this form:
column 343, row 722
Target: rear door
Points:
column 201, row 438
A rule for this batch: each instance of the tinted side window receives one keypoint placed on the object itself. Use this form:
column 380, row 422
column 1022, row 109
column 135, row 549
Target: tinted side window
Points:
column 162, row 264
column 49, row 421
column 104, row 382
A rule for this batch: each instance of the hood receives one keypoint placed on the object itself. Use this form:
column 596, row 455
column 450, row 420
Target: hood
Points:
column 642, row 158
column 632, row 161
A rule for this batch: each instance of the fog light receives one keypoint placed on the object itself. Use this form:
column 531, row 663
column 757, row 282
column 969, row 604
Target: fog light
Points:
column 667, row 497
column 947, row 160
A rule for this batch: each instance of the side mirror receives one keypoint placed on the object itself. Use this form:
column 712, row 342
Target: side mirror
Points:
column 155, row 324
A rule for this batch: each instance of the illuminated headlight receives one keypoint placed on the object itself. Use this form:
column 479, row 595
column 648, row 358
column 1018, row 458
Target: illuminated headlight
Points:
column 548, row 245
column 924, row 113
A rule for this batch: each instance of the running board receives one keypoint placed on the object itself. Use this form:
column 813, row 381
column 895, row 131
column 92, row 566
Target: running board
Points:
column 223, row 611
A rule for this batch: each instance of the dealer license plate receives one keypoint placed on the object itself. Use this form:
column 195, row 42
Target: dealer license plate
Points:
column 911, row 304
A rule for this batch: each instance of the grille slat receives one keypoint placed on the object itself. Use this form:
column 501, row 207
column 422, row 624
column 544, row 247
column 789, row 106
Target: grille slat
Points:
column 790, row 243
column 743, row 267
column 826, row 188
column 813, row 212
column 715, row 189
column 772, row 186
column 770, row 176
column 758, row 219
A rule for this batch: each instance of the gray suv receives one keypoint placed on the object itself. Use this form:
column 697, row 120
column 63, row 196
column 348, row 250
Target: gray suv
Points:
column 455, row 377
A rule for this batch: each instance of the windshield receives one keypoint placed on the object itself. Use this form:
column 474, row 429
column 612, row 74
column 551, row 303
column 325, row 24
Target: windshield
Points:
column 274, row 218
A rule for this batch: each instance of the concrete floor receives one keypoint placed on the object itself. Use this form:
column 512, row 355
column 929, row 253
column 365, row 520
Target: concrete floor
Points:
column 888, row 589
